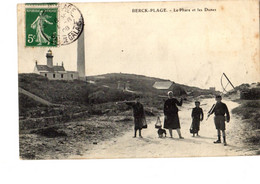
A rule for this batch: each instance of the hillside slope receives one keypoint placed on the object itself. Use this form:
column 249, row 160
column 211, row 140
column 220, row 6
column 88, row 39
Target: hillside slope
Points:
column 97, row 96
column 144, row 84
column 69, row 92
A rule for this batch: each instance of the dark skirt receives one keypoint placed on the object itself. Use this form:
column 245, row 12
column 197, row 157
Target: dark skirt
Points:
column 172, row 122
column 195, row 125
column 138, row 123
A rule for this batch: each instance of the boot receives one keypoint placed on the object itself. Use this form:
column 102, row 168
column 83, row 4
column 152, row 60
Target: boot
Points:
column 140, row 134
column 179, row 133
column 135, row 134
column 218, row 141
column 224, row 140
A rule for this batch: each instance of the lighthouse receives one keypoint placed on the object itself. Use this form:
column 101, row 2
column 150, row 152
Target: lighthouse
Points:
column 49, row 57
column 81, row 57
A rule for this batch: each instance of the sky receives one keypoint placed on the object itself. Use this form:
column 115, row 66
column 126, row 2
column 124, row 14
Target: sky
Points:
column 192, row 48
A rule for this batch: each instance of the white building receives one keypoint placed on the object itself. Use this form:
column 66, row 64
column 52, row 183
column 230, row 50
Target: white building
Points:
column 52, row 72
column 163, row 85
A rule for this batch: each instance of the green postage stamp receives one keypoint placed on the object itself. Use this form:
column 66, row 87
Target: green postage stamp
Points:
column 41, row 26
column 52, row 24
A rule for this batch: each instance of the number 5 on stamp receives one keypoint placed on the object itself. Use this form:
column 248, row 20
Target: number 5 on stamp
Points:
column 41, row 27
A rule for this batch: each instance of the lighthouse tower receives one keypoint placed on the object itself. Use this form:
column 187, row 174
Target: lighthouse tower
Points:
column 49, row 57
column 81, row 57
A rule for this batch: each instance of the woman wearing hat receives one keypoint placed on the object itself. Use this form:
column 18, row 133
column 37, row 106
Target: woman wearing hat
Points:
column 171, row 117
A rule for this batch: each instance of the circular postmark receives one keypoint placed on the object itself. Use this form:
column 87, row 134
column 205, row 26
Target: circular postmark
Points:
column 71, row 23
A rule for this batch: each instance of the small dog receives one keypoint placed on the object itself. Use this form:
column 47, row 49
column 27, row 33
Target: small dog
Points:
column 161, row 132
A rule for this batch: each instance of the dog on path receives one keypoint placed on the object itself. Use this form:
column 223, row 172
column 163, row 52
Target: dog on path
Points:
column 161, row 132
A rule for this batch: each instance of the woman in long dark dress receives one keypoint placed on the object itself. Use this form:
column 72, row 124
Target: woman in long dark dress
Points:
column 171, row 117
column 197, row 117
column 139, row 115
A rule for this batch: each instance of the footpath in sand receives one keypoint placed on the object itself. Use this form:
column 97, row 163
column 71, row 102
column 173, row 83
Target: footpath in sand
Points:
column 150, row 146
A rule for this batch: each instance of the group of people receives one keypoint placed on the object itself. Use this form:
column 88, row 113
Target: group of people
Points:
column 171, row 117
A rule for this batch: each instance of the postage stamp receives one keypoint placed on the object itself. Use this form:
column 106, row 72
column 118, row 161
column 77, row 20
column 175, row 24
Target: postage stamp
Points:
column 52, row 25
column 41, row 26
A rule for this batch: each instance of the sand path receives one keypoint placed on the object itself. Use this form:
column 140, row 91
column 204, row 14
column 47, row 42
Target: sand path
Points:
column 150, row 146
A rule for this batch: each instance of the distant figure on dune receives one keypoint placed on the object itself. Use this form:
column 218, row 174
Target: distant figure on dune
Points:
column 220, row 110
column 171, row 117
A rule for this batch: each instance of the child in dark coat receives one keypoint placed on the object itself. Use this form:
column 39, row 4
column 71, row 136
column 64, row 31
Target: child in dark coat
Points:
column 197, row 117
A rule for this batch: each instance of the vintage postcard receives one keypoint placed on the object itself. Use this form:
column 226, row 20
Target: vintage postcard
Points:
column 138, row 79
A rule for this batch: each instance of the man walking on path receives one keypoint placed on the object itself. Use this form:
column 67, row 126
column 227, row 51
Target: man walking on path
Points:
column 220, row 110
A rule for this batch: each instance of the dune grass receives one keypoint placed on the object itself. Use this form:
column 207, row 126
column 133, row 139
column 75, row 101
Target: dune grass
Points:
column 249, row 110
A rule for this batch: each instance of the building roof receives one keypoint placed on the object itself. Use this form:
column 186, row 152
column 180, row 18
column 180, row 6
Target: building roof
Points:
column 44, row 68
column 49, row 69
column 162, row 85
column 58, row 68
